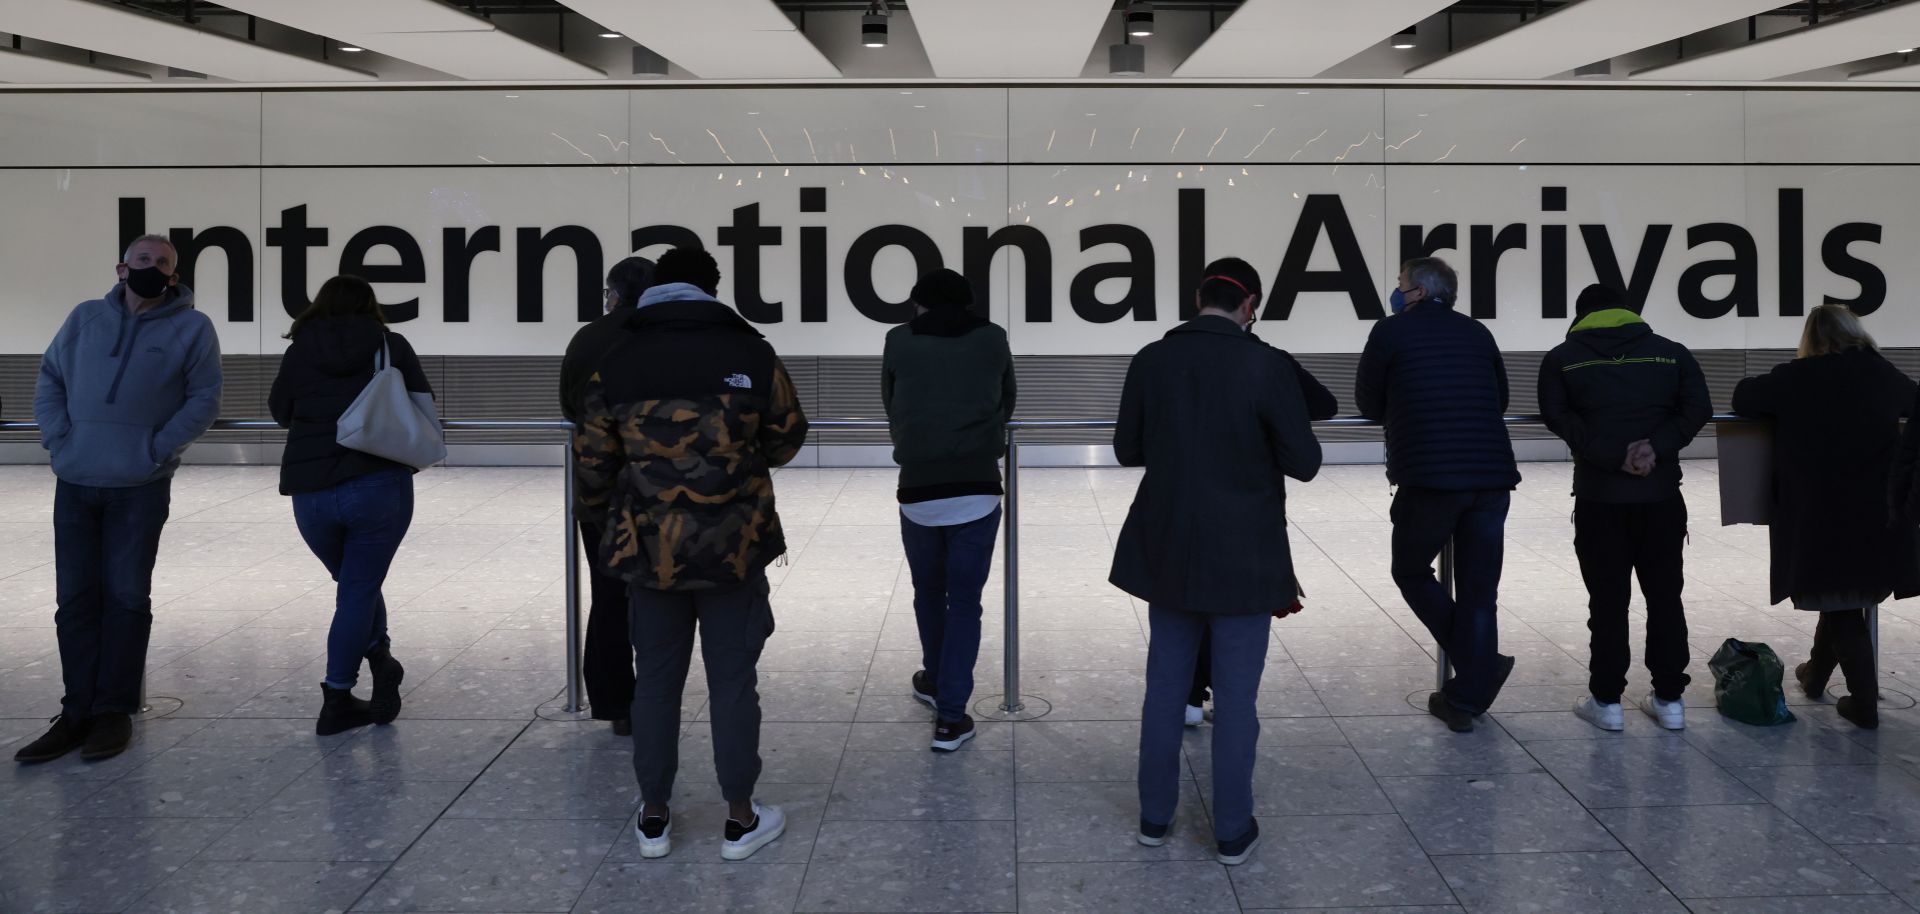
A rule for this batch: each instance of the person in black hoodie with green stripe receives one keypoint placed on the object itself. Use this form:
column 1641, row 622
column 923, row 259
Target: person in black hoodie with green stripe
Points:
column 1626, row 400
column 946, row 380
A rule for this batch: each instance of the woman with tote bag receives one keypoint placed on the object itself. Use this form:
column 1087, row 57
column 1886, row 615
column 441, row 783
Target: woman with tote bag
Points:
column 1837, row 548
column 352, row 507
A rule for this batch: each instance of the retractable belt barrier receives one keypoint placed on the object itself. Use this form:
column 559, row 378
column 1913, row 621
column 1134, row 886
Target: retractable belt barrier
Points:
column 1010, row 705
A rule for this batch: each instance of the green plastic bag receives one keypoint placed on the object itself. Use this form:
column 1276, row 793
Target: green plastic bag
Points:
column 1746, row 683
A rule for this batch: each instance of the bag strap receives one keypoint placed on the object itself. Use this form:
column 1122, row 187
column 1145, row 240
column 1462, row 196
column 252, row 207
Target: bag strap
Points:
column 385, row 358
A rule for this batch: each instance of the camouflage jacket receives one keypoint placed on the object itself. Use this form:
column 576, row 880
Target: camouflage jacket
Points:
column 682, row 425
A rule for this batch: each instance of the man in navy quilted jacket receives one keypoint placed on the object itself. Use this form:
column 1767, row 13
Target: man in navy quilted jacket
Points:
column 1434, row 377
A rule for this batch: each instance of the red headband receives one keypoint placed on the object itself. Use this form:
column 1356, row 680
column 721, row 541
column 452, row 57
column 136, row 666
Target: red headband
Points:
column 1236, row 283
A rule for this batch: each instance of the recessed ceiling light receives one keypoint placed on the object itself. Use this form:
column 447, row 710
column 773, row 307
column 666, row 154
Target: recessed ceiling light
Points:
column 1407, row 39
column 350, row 49
column 611, row 35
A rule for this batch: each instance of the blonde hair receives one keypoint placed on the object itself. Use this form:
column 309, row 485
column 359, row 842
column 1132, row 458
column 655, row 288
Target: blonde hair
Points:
column 1834, row 329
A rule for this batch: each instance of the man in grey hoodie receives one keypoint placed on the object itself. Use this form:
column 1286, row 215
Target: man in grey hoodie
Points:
column 129, row 381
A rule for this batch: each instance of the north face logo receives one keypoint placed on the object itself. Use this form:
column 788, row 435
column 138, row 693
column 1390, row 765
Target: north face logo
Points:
column 739, row 380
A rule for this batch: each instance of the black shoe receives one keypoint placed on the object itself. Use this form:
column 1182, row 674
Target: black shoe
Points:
column 949, row 735
column 108, row 735
column 923, row 688
column 1457, row 720
column 1152, row 835
column 1503, row 667
column 1803, row 674
column 340, row 711
column 1236, row 852
column 387, row 675
column 1863, row 714
column 63, row 737
column 623, row 726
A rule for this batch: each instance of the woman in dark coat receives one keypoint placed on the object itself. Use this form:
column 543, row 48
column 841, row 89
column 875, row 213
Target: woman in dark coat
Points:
column 1837, row 546
column 352, row 508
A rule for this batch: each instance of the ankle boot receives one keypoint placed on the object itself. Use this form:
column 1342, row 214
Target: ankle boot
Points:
column 1864, row 714
column 340, row 711
column 387, row 674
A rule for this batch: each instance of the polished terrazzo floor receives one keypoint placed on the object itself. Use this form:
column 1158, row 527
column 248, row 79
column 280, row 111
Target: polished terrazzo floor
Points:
column 478, row 800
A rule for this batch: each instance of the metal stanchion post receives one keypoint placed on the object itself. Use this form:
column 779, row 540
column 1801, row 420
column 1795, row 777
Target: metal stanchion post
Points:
column 575, row 702
column 1440, row 664
column 1873, row 640
column 1010, row 702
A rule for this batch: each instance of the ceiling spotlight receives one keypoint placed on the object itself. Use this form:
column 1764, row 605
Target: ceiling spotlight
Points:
column 1406, row 39
column 351, row 49
column 1600, row 69
column 611, row 35
column 873, row 25
column 1908, row 50
column 1140, row 19
column 648, row 64
column 1127, row 59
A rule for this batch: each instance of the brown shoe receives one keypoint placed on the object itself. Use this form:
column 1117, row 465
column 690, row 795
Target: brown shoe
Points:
column 1802, row 676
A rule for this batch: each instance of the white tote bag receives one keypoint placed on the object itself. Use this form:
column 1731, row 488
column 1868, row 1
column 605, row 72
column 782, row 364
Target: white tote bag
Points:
column 388, row 420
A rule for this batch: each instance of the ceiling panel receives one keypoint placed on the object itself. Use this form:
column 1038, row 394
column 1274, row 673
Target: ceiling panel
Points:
column 138, row 36
column 1296, row 38
column 16, row 67
column 1586, row 32
column 1855, row 37
column 1904, row 73
column 716, row 39
column 425, row 32
column 986, row 39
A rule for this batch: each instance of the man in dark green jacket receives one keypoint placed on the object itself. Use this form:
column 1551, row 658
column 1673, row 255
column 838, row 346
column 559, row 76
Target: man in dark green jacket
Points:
column 1626, row 400
column 947, row 383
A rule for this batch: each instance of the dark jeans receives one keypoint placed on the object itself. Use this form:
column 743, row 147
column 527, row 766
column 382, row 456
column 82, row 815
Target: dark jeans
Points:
column 1615, row 543
column 1841, row 639
column 609, row 652
column 734, row 625
column 1239, row 658
column 105, row 542
column 1463, row 625
column 950, row 567
column 354, row 529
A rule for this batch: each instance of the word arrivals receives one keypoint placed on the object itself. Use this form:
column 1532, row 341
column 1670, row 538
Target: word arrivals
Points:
column 1322, row 218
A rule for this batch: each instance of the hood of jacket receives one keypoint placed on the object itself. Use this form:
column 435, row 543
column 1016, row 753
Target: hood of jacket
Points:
column 176, row 299
column 341, row 347
column 684, row 305
column 947, row 322
column 673, row 291
column 1610, row 333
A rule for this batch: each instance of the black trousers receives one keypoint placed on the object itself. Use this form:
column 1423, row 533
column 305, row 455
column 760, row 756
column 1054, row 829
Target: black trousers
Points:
column 734, row 625
column 608, row 661
column 1841, row 639
column 1615, row 543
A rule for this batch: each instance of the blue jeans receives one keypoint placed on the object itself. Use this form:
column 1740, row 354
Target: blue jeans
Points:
column 105, row 542
column 1464, row 624
column 354, row 529
column 950, row 567
column 1239, row 658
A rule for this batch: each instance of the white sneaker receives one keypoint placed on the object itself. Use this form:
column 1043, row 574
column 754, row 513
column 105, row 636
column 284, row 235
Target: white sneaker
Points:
column 659, row 845
column 1195, row 714
column 1670, row 715
column 768, row 823
column 1604, row 716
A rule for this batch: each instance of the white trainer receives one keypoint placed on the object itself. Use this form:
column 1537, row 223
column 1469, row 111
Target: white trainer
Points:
column 768, row 823
column 656, row 837
column 1604, row 716
column 1195, row 714
column 1670, row 715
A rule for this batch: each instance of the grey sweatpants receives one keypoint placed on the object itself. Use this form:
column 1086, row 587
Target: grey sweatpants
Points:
column 734, row 625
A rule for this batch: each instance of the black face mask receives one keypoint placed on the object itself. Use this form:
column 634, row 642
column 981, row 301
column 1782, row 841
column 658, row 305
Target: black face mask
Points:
column 148, row 282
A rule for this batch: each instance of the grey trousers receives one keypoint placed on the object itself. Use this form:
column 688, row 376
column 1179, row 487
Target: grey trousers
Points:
column 734, row 625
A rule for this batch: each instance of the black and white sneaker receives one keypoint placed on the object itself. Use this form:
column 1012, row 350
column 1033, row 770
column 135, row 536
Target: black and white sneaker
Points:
column 923, row 688
column 949, row 735
column 742, row 840
column 1152, row 835
column 1236, row 852
column 656, row 836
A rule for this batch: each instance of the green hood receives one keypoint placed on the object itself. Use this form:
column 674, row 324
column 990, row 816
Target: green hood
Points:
column 1607, row 319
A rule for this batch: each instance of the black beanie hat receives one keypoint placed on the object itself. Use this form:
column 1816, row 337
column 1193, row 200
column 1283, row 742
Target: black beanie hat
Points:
column 943, row 289
column 1598, row 297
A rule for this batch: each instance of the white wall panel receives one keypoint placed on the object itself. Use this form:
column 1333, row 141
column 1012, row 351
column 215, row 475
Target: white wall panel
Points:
column 792, row 126
column 62, row 243
column 1815, row 126
column 472, row 127
column 1159, row 124
column 1563, row 125
column 427, row 202
column 135, row 130
column 1841, row 206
